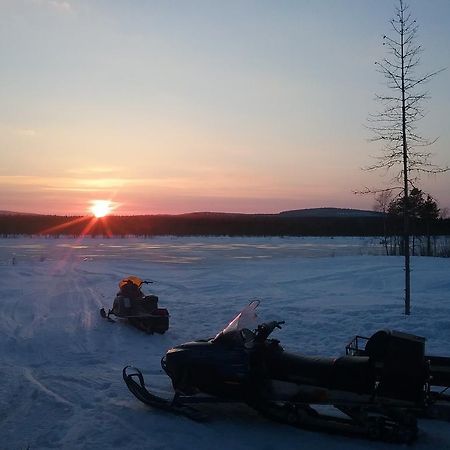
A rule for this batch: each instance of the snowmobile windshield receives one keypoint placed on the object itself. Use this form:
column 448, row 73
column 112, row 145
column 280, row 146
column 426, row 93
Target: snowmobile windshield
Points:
column 246, row 319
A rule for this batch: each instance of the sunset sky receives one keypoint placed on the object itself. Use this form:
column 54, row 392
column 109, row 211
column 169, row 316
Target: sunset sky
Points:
column 203, row 105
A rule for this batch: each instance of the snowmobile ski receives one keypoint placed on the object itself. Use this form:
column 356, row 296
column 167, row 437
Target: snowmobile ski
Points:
column 106, row 316
column 140, row 391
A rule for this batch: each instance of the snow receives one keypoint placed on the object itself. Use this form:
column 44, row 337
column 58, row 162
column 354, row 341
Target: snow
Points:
column 60, row 363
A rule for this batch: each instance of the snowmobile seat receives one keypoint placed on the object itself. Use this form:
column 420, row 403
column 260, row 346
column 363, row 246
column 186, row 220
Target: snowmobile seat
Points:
column 160, row 320
column 149, row 303
column 347, row 373
column 353, row 373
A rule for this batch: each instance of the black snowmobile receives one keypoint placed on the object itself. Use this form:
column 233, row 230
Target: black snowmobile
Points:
column 138, row 309
column 377, row 390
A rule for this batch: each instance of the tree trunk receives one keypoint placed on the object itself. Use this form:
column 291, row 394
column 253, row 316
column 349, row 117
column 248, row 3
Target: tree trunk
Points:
column 405, row 176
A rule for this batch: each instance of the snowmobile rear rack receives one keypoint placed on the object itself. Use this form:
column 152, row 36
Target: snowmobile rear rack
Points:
column 355, row 346
column 437, row 405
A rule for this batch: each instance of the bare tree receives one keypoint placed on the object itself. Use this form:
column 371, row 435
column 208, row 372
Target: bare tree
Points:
column 395, row 125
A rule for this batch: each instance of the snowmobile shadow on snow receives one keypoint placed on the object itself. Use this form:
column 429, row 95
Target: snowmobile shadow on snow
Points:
column 377, row 390
column 138, row 309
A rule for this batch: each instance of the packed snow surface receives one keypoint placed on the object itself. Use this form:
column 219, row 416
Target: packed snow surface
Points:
column 61, row 363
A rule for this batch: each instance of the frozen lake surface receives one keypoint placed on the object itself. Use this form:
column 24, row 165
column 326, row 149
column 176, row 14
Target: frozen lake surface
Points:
column 61, row 363
column 189, row 249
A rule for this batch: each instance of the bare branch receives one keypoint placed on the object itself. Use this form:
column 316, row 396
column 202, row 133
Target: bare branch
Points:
column 368, row 190
column 395, row 126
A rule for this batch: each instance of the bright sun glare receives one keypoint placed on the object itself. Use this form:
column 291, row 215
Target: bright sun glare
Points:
column 101, row 208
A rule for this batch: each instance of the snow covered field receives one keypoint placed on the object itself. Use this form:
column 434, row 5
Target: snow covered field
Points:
column 60, row 363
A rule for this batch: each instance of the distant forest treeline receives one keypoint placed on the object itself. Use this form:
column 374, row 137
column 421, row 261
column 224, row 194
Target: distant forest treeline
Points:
column 215, row 225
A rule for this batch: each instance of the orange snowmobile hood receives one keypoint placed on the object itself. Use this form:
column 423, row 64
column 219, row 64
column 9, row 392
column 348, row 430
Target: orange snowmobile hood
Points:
column 135, row 280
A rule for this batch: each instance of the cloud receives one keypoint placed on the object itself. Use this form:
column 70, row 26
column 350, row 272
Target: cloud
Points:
column 56, row 183
column 27, row 132
column 21, row 180
column 100, row 183
column 62, row 6
column 89, row 171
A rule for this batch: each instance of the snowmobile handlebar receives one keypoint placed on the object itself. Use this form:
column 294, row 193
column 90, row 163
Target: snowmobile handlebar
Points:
column 265, row 329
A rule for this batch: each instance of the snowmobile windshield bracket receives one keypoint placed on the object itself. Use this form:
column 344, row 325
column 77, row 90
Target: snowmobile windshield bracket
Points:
column 265, row 329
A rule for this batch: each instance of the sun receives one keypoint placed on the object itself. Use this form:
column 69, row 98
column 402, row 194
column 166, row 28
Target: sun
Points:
column 101, row 208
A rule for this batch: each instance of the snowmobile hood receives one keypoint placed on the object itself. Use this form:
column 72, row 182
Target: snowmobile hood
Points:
column 190, row 345
column 133, row 279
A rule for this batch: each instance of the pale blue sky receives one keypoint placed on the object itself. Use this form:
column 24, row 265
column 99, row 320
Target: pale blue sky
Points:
column 176, row 106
